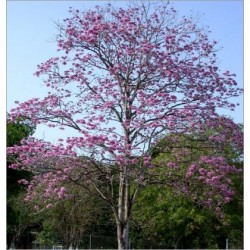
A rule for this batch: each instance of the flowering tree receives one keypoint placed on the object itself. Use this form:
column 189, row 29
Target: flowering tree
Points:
column 123, row 79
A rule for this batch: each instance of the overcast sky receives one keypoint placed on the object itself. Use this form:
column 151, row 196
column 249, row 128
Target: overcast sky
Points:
column 30, row 31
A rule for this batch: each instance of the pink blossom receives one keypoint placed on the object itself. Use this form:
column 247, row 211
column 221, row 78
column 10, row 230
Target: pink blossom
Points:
column 49, row 206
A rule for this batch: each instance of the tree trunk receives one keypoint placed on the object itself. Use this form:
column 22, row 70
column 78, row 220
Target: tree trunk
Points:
column 122, row 235
column 122, row 220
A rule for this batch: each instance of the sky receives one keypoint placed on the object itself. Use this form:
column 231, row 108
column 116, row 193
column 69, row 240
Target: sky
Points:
column 31, row 28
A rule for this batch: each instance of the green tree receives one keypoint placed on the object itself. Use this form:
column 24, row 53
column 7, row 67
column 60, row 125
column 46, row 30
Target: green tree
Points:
column 68, row 220
column 162, row 220
column 19, row 215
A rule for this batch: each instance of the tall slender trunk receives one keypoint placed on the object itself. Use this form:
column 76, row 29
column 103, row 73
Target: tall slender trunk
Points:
column 124, row 201
column 122, row 235
column 124, row 207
